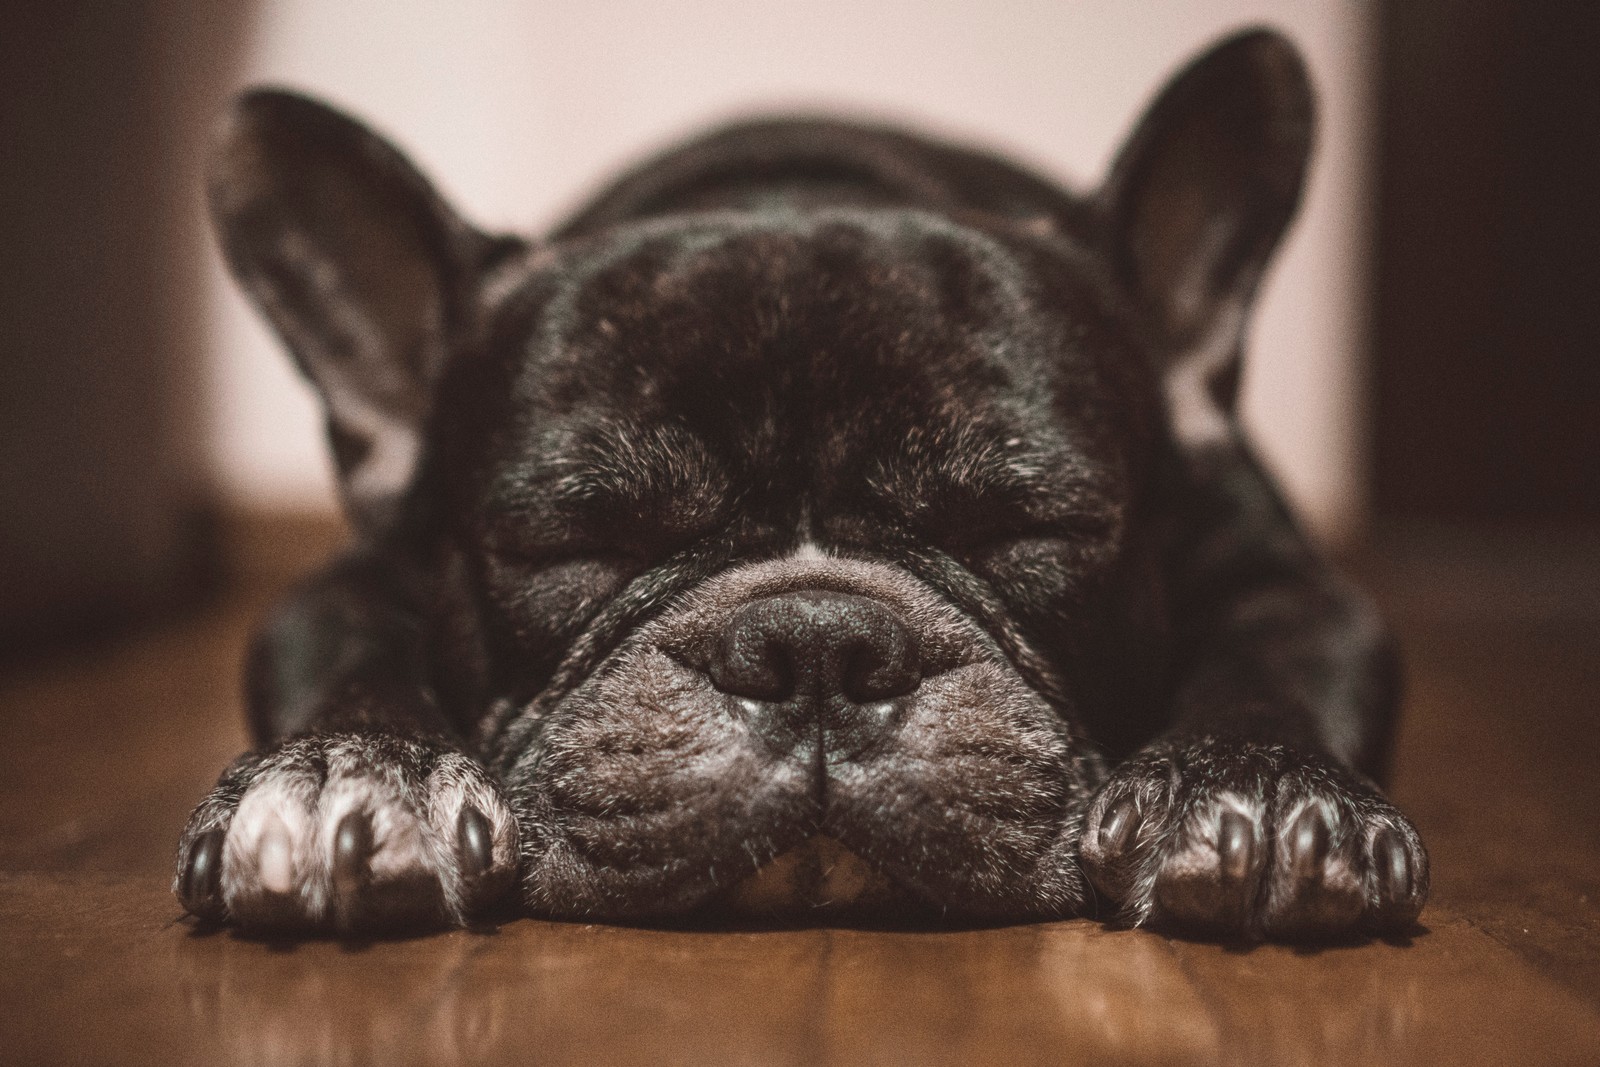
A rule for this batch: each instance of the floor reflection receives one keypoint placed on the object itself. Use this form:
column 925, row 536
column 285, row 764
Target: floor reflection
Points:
column 561, row 993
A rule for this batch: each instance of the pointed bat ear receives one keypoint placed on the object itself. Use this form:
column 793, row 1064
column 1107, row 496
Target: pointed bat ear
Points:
column 1203, row 190
column 360, row 266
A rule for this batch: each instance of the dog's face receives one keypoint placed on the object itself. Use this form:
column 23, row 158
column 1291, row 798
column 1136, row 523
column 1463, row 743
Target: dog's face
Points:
column 778, row 556
column 794, row 527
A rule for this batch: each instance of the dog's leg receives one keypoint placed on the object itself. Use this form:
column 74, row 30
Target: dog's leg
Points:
column 1255, row 814
column 362, row 809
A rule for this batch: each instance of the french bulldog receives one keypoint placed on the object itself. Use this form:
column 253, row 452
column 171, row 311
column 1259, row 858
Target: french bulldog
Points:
column 822, row 517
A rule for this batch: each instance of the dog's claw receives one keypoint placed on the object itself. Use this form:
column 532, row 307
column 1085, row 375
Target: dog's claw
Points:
column 1309, row 840
column 352, row 845
column 200, row 889
column 1120, row 827
column 1235, row 846
column 474, row 841
column 1393, row 866
column 276, row 858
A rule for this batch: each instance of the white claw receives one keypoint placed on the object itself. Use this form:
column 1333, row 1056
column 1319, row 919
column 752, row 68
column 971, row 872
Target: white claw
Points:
column 275, row 859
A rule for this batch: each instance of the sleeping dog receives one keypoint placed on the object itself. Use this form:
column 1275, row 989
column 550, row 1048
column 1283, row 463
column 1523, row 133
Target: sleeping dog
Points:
column 823, row 517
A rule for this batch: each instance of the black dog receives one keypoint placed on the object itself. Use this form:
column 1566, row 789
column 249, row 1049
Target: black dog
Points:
column 823, row 514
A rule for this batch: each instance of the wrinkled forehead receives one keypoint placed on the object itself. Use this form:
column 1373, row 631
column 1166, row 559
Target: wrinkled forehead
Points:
column 817, row 353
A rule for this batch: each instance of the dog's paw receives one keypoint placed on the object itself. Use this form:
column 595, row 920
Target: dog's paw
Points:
column 1241, row 840
column 348, row 833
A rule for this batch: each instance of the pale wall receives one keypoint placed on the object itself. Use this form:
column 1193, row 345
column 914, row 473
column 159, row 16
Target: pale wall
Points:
column 516, row 108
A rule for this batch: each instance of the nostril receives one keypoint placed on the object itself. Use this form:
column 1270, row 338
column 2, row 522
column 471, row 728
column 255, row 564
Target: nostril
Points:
column 873, row 672
column 755, row 666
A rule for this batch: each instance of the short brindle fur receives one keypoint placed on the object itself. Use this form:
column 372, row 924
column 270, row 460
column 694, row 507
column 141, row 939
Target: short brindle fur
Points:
column 820, row 499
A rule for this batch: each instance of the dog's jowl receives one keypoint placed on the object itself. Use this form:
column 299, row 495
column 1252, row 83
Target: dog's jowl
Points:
column 822, row 518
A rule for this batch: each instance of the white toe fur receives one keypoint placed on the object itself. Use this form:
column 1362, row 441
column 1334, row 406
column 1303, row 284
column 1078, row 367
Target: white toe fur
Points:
column 279, row 852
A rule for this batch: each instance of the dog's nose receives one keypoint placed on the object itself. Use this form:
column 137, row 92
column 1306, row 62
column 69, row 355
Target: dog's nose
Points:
column 803, row 661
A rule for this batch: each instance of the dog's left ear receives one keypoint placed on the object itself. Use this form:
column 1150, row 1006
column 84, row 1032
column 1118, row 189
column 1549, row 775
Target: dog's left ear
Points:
column 363, row 269
column 1203, row 190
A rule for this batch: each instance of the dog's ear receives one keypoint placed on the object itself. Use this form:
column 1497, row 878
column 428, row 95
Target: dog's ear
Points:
column 361, row 267
column 1203, row 190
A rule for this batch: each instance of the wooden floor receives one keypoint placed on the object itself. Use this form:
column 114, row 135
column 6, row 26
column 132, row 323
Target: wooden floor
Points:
column 106, row 750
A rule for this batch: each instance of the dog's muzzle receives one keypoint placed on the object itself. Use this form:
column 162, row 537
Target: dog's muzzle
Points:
column 798, row 735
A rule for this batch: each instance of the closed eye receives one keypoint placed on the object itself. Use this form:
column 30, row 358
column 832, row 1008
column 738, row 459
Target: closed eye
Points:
column 546, row 596
column 533, row 557
column 1075, row 529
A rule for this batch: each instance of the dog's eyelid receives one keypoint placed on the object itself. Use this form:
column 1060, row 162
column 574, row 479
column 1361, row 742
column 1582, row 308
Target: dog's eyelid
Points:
column 544, row 560
column 534, row 540
column 582, row 505
column 1049, row 493
column 550, row 540
column 1017, row 518
column 1011, row 535
column 523, row 531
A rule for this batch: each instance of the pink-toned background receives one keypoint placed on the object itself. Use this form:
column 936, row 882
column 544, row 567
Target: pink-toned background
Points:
column 517, row 108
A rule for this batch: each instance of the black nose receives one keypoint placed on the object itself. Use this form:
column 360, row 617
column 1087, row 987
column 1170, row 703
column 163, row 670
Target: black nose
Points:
column 804, row 662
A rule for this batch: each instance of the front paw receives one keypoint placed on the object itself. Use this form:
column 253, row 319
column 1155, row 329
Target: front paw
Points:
column 348, row 833
column 1238, row 839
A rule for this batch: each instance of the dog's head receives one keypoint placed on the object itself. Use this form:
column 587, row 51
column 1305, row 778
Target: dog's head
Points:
column 793, row 539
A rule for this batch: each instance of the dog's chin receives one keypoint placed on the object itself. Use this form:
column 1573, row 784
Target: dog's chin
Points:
column 819, row 878
column 823, row 881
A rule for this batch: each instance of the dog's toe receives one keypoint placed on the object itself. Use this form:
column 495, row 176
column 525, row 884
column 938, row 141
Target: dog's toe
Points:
column 1313, row 888
column 1305, row 846
column 1398, row 877
column 1210, row 874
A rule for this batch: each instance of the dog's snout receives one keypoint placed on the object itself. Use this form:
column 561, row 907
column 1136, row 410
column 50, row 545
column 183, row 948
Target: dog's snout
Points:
column 813, row 659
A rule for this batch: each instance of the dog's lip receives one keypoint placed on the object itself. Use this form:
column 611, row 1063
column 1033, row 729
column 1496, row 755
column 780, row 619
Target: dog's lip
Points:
column 820, row 874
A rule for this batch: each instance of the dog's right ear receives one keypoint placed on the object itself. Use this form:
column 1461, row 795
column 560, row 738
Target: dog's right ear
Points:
column 362, row 268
